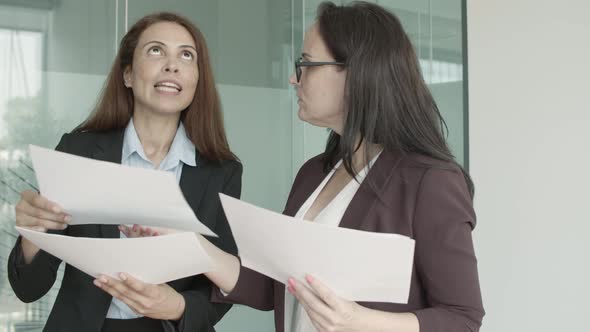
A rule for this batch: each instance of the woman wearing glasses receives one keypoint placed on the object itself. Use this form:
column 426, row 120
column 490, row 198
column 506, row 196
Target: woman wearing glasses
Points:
column 159, row 110
column 386, row 168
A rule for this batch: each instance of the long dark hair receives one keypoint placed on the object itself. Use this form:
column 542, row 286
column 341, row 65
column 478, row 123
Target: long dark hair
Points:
column 387, row 101
column 202, row 119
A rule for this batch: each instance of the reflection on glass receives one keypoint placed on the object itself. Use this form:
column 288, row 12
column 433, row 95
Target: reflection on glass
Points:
column 21, row 119
column 53, row 61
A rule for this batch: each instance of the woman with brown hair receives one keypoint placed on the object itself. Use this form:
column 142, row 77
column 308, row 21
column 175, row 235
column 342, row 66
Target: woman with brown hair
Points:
column 160, row 110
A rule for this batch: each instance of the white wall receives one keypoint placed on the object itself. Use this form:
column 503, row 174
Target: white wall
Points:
column 529, row 72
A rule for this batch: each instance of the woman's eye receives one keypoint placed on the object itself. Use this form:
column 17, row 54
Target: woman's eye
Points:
column 187, row 55
column 155, row 51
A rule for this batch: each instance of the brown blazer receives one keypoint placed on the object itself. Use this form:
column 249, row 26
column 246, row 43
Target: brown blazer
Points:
column 416, row 196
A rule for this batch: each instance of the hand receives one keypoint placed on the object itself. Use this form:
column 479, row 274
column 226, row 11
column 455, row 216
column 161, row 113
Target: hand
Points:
column 153, row 301
column 137, row 231
column 326, row 311
column 142, row 231
column 37, row 212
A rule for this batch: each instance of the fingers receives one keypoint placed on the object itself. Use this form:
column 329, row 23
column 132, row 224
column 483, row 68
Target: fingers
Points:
column 118, row 289
column 317, row 320
column 33, row 210
column 149, row 231
column 138, row 231
column 125, row 230
column 37, row 228
column 145, row 289
column 136, row 307
column 324, row 293
column 132, row 231
column 36, row 200
column 133, row 283
column 317, row 311
column 309, row 299
column 146, row 231
column 156, row 231
column 38, row 223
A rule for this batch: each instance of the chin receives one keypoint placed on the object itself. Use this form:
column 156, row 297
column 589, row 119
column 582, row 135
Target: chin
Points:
column 169, row 110
column 302, row 115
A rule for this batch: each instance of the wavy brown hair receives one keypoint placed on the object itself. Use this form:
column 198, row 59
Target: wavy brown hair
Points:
column 202, row 119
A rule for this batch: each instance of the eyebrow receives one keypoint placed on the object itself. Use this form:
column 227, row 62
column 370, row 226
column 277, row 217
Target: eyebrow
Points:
column 159, row 42
column 306, row 55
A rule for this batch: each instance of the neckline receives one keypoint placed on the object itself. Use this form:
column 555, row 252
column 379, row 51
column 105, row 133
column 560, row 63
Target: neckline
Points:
column 312, row 198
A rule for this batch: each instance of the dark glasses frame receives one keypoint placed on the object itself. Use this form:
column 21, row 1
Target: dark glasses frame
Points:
column 300, row 63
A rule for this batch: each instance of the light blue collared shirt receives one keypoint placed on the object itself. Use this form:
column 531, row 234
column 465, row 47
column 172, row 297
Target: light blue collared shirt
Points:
column 182, row 151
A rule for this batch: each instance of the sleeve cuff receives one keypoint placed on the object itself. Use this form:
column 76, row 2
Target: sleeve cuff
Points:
column 19, row 256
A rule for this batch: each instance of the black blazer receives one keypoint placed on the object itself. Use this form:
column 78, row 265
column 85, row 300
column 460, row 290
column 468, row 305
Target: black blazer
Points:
column 80, row 305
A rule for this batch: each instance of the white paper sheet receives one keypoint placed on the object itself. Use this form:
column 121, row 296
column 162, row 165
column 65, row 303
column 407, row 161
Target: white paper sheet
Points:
column 98, row 192
column 155, row 260
column 356, row 265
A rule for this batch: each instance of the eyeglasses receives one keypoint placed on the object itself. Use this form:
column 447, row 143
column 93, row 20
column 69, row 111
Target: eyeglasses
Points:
column 300, row 63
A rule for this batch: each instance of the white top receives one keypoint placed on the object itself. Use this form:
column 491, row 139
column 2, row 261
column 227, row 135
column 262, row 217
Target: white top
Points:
column 296, row 319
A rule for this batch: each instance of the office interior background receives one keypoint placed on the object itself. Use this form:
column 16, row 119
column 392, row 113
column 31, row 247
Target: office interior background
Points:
column 501, row 72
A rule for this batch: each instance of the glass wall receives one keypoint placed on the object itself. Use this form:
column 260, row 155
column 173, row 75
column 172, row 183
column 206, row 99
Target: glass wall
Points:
column 56, row 55
column 53, row 62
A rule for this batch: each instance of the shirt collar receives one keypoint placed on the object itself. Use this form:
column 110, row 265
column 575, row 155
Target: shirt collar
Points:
column 181, row 149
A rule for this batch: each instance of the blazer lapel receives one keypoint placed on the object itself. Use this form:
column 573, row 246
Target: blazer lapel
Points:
column 304, row 186
column 110, row 148
column 361, row 205
column 363, row 200
column 95, row 303
column 193, row 182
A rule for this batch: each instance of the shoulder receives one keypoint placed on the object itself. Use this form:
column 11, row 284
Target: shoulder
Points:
column 310, row 174
column 313, row 166
column 231, row 166
column 441, row 188
column 425, row 163
column 81, row 143
column 426, row 181
column 421, row 169
column 225, row 168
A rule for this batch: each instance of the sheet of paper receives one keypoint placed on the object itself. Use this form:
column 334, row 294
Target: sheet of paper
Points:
column 356, row 265
column 98, row 192
column 155, row 259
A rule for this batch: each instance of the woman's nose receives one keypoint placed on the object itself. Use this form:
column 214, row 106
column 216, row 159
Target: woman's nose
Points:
column 171, row 66
column 293, row 79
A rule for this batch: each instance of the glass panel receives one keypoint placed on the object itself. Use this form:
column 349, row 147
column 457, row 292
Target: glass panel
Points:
column 54, row 60
column 435, row 28
column 445, row 67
